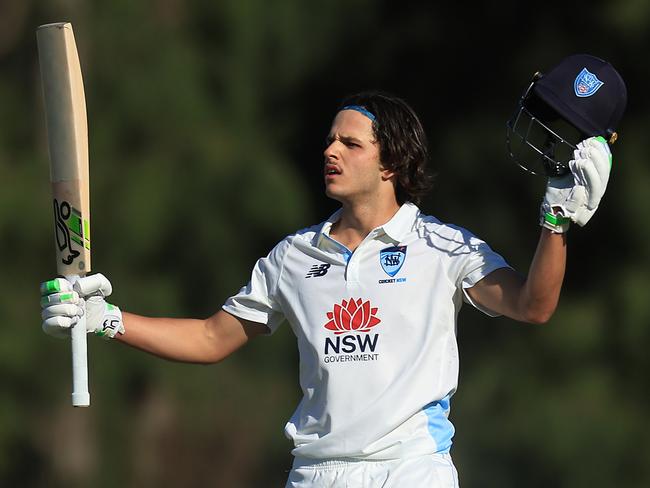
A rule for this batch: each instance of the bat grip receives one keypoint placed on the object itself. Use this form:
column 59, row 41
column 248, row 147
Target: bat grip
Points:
column 80, row 394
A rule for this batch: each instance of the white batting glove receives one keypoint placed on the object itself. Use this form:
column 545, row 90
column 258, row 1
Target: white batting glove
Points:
column 575, row 196
column 63, row 304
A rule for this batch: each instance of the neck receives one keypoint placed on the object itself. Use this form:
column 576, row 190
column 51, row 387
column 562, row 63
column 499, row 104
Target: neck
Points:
column 358, row 220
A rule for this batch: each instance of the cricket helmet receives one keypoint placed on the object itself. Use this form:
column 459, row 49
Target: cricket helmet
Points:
column 581, row 97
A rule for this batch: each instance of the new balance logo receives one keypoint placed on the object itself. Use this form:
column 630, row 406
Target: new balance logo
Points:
column 318, row 270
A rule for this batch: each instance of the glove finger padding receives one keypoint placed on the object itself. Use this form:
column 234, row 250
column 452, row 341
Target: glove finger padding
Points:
column 597, row 149
column 63, row 297
column 55, row 286
column 94, row 285
column 58, row 326
column 591, row 168
column 64, row 310
column 590, row 180
column 575, row 200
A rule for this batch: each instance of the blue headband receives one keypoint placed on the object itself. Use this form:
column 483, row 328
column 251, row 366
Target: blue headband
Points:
column 361, row 110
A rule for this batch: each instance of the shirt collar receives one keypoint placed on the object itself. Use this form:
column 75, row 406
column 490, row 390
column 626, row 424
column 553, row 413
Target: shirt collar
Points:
column 396, row 228
column 402, row 222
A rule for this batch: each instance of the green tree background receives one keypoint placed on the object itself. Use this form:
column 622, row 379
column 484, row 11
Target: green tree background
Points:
column 206, row 124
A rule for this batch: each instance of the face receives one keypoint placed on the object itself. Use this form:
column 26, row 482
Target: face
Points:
column 352, row 167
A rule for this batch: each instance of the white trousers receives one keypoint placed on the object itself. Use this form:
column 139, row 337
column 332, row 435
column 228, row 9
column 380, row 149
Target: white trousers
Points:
column 430, row 471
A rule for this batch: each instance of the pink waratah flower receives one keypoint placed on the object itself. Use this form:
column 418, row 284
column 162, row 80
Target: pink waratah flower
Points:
column 352, row 316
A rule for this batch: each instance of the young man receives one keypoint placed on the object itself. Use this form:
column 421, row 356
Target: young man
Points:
column 372, row 295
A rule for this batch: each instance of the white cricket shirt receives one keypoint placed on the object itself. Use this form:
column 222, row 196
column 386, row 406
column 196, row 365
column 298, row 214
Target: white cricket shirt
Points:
column 376, row 331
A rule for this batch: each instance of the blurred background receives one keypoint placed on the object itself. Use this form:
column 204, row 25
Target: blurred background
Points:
column 206, row 126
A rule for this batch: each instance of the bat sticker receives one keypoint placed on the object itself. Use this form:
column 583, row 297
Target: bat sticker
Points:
column 68, row 228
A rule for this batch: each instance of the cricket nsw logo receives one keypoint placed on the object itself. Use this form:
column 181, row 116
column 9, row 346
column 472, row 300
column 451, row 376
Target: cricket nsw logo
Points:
column 352, row 316
column 392, row 259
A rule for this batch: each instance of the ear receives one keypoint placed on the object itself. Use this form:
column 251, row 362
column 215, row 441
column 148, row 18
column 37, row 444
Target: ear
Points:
column 387, row 174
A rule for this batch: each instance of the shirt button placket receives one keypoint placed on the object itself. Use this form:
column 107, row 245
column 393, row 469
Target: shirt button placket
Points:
column 352, row 270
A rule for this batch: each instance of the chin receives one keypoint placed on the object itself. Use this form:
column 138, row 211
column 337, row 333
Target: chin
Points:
column 333, row 194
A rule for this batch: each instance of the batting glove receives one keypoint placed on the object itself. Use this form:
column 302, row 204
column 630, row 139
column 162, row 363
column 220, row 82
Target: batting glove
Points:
column 64, row 303
column 575, row 196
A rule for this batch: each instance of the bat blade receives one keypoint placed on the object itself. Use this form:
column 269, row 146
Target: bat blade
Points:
column 67, row 132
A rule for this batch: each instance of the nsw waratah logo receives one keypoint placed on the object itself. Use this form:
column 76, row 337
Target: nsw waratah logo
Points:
column 352, row 316
column 586, row 84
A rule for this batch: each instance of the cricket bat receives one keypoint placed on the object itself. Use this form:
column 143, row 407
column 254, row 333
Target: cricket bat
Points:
column 67, row 133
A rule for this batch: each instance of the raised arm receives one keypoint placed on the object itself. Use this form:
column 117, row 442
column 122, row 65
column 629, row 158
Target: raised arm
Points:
column 571, row 198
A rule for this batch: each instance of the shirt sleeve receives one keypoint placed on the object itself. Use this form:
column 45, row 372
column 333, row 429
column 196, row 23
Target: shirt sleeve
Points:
column 258, row 300
column 479, row 261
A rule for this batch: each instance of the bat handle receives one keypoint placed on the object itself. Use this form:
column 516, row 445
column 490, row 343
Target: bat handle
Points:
column 80, row 394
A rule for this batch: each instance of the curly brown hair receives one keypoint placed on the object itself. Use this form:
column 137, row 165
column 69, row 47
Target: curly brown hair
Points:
column 402, row 142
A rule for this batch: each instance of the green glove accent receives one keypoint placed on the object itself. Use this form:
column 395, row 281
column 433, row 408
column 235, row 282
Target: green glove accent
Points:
column 558, row 224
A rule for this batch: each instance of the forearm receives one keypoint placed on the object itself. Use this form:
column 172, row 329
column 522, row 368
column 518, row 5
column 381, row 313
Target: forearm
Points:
column 541, row 290
column 187, row 340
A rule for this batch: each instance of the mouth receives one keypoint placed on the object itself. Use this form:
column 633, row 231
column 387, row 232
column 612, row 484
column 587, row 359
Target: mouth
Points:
column 332, row 170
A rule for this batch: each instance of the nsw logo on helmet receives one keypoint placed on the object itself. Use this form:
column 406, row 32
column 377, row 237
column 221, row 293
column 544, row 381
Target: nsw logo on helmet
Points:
column 586, row 84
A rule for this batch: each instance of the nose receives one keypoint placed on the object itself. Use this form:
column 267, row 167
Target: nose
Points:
column 330, row 151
